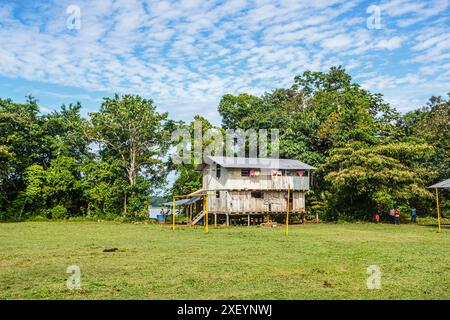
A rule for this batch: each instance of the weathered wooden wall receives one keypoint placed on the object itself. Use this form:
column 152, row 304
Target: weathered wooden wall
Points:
column 231, row 193
column 231, row 179
column 243, row 201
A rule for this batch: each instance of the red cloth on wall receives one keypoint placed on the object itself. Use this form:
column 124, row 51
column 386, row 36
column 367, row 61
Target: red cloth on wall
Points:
column 300, row 173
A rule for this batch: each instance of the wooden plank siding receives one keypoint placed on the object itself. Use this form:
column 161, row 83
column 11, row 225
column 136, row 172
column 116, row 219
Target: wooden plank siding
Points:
column 243, row 202
column 231, row 179
column 232, row 194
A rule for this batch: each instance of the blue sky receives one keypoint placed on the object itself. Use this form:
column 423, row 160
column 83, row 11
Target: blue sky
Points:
column 186, row 54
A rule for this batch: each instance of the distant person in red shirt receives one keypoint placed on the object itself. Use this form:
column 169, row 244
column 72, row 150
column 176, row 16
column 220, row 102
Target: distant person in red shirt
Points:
column 377, row 216
column 397, row 216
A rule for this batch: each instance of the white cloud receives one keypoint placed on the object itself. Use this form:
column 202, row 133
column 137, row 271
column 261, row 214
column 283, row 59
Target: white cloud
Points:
column 184, row 52
column 411, row 12
column 389, row 44
column 337, row 42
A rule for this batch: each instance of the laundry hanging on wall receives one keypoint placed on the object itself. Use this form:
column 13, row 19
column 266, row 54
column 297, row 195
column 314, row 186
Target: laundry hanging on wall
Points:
column 276, row 173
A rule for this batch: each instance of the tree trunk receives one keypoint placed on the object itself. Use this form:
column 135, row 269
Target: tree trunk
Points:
column 132, row 171
column 125, row 205
column 21, row 210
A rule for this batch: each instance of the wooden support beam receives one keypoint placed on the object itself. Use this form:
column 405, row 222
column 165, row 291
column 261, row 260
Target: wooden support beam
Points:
column 189, row 214
column 248, row 220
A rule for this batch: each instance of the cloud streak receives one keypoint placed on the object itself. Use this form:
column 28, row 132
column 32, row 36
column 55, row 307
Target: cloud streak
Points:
column 190, row 53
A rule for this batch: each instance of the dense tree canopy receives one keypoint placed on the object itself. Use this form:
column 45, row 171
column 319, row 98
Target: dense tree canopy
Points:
column 110, row 164
column 364, row 179
column 188, row 179
column 60, row 165
column 368, row 155
column 132, row 135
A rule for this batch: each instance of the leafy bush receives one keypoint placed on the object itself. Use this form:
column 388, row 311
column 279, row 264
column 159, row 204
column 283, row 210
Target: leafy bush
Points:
column 3, row 216
column 58, row 212
column 38, row 218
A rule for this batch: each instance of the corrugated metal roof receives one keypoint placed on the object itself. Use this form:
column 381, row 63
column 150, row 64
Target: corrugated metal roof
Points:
column 259, row 163
column 441, row 185
column 183, row 201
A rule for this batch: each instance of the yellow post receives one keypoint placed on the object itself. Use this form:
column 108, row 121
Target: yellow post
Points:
column 287, row 212
column 173, row 213
column 206, row 213
column 438, row 210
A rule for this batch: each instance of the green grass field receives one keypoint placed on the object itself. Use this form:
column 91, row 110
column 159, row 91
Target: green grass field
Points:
column 325, row 261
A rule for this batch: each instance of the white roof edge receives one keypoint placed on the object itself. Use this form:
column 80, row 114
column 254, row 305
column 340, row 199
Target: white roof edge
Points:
column 441, row 185
column 196, row 192
column 267, row 163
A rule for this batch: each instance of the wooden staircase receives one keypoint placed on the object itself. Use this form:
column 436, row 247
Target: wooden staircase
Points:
column 198, row 217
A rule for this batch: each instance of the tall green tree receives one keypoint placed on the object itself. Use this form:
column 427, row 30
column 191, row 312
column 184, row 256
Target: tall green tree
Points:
column 21, row 145
column 103, row 186
column 325, row 116
column 188, row 179
column 64, row 132
column 57, row 186
column 432, row 125
column 130, row 131
column 365, row 178
column 234, row 109
column 320, row 111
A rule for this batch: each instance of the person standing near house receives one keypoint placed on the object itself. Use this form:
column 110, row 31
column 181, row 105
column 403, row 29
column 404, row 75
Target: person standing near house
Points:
column 303, row 217
column 377, row 216
column 392, row 214
column 396, row 216
column 413, row 215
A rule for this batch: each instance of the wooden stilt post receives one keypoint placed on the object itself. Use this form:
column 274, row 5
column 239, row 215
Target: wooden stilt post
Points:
column 438, row 210
column 173, row 213
column 228, row 220
column 287, row 212
column 195, row 211
column 248, row 220
column 215, row 219
column 206, row 214
column 188, row 214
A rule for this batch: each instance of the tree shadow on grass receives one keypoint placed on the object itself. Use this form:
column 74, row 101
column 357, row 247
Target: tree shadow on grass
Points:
column 435, row 225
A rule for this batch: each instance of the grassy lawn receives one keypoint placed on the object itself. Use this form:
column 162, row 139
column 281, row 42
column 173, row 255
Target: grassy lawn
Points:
column 326, row 261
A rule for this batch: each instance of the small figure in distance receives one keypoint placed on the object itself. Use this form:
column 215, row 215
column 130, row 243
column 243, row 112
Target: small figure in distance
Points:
column 377, row 216
column 396, row 215
column 413, row 215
